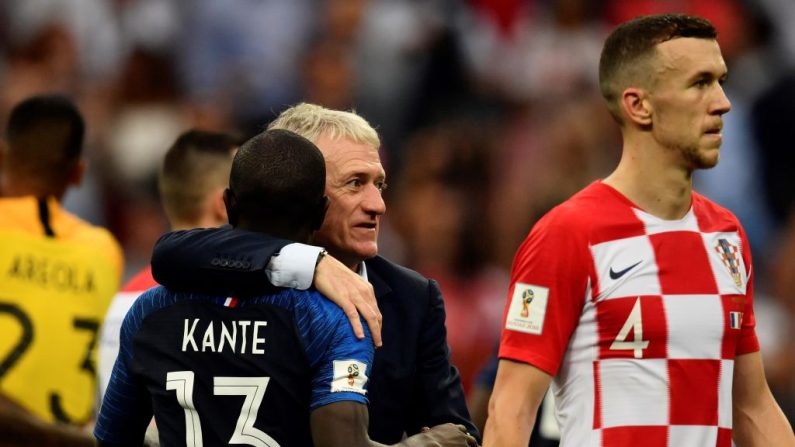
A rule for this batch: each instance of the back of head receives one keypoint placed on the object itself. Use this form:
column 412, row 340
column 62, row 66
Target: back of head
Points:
column 277, row 185
column 45, row 140
column 196, row 165
column 311, row 121
column 629, row 50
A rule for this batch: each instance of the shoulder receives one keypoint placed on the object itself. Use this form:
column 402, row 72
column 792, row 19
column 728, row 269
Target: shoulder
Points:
column 143, row 280
column 713, row 217
column 389, row 270
column 77, row 230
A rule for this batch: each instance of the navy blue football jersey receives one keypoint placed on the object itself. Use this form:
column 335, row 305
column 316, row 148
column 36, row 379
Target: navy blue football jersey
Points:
column 220, row 370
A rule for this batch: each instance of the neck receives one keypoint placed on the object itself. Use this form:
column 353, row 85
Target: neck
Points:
column 651, row 178
column 16, row 187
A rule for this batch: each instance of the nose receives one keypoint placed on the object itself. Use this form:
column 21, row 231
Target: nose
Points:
column 721, row 105
column 373, row 202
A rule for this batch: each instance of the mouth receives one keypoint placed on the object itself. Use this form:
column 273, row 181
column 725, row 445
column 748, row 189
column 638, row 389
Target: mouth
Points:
column 366, row 225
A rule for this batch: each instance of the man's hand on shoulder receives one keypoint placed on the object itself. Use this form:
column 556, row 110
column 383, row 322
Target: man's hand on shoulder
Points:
column 443, row 435
column 350, row 292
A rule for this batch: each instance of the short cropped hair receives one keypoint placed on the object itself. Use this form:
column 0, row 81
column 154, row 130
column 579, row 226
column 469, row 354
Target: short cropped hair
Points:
column 197, row 164
column 311, row 121
column 45, row 136
column 631, row 46
column 278, row 178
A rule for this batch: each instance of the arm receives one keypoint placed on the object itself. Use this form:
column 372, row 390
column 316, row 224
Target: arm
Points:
column 21, row 428
column 344, row 424
column 757, row 418
column 217, row 260
column 438, row 393
column 518, row 392
column 227, row 261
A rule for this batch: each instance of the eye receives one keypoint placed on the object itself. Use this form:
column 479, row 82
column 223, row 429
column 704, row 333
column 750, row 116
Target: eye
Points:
column 354, row 182
column 382, row 186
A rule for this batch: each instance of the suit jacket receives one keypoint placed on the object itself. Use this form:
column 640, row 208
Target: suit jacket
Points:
column 412, row 385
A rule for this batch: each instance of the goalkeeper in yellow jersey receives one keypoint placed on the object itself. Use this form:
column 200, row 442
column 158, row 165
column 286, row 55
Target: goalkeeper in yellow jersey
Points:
column 58, row 276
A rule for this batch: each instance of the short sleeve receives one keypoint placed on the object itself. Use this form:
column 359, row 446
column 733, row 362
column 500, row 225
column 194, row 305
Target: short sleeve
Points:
column 748, row 340
column 549, row 282
column 341, row 362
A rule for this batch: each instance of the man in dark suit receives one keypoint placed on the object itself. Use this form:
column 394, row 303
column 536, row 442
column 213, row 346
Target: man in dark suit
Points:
column 413, row 384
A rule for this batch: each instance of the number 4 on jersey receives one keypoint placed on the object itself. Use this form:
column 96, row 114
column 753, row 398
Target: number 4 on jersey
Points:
column 635, row 324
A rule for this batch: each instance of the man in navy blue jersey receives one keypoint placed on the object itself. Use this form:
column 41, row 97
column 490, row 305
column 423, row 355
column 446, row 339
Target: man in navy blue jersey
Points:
column 413, row 384
column 218, row 370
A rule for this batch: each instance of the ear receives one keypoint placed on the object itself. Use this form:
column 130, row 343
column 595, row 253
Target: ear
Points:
column 636, row 107
column 217, row 206
column 320, row 213
column 231, row 206
column 77, row 173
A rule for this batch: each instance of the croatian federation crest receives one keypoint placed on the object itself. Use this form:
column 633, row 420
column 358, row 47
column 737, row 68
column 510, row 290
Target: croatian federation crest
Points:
column 728, row 253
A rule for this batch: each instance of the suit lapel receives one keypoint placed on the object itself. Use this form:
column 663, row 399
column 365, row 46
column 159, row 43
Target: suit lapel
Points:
column 380, row 287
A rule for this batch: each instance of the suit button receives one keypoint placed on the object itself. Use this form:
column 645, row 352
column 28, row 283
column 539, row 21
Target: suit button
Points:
column 214, row 262
column 224, row 263
column 246, row 264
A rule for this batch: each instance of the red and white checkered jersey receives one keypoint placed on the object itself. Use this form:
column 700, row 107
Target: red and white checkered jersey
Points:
column 638, row 318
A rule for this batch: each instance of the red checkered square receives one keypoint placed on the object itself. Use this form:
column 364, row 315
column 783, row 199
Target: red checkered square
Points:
column 694, row 391
column 625, row 333
column 683, row 264
column 647, row 436
column 724, row 437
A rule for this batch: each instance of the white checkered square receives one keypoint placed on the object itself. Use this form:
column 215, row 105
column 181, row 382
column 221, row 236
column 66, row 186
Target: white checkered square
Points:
column 692, row 435
column 725, row 393
column 727, row 283
column 633, row 392
column 656, row 225
column 695, row 326
column 626, row 267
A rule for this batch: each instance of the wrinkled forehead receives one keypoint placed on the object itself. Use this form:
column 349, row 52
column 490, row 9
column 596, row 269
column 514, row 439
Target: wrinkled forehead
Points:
column 346, row 155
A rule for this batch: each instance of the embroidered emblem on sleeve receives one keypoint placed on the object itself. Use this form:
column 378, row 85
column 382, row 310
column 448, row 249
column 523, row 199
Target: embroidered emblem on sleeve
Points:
column 528, row 308
column 349, row 375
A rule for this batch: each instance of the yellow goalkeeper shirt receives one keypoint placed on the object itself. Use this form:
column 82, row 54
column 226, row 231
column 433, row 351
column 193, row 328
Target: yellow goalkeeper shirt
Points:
column 59, row 274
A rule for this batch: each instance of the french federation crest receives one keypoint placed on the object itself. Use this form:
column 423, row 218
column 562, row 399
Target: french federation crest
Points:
column 728, row 254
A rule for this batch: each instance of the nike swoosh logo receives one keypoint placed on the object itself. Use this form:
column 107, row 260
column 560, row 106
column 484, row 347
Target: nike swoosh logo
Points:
column 620, row 273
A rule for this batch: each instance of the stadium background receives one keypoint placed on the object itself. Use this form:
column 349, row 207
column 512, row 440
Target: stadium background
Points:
column 488, row 110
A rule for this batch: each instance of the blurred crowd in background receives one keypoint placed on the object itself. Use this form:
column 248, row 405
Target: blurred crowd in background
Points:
column 489, row 112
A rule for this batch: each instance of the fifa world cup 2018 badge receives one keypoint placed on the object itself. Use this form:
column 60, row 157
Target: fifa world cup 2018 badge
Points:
column 353, row 371
column 728, row 254
column 527, row 298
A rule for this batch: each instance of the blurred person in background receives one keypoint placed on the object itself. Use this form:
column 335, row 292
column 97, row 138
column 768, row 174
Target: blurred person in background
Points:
column 413, row 384
column 59, row 276
column 647, row 286
column 439, row 204
column 192, row 180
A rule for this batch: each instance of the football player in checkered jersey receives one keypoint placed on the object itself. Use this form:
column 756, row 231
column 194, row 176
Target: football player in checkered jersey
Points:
column 634, row 298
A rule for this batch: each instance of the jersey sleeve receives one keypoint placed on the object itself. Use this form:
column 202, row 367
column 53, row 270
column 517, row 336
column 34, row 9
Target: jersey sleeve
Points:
column 548, row 288
column 748, row 340
column 126, row 408
column 341, row 362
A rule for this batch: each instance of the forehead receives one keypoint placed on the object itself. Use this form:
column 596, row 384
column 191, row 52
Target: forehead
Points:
column 347, row 156
column 689, row 56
